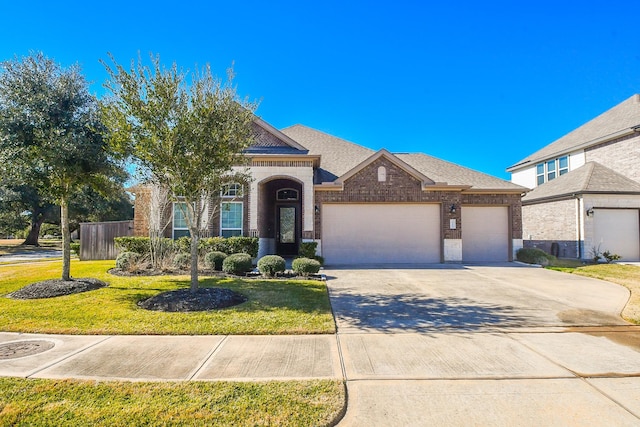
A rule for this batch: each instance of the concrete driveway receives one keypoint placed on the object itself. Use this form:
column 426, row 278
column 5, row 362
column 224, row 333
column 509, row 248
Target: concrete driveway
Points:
column 484, row 345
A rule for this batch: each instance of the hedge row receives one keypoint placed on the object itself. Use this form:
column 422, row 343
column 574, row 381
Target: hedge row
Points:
column 229, row 245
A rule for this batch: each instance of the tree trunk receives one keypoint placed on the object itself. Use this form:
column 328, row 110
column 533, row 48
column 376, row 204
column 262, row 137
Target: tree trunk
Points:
column 34, row 231
column 195, row 238
column 66, row 239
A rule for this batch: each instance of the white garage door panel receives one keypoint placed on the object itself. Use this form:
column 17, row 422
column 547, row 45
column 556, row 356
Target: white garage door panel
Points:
column 380, row 233
column 617, row 231
column 485, row 234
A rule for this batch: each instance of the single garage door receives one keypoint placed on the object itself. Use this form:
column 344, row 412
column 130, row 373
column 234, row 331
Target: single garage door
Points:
column 380, row 233
column 617, row 231
column 485, row 234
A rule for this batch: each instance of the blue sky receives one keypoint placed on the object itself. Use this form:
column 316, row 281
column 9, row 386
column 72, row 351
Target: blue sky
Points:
column 482, row 84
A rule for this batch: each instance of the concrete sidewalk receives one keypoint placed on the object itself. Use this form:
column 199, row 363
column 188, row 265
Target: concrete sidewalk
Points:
column 169, row 358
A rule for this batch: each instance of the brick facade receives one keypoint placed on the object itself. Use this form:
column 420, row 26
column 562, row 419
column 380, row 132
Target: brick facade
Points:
column 549, row 223
column 621, row 155
column 401, row 187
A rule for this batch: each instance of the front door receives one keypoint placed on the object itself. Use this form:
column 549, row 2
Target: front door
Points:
column 287, row 230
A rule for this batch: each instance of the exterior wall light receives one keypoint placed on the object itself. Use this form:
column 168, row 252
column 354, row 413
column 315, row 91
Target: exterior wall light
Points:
column 317, row 209
column 452, row 209
column 590, row 212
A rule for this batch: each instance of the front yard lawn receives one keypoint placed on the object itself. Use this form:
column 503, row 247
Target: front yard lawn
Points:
column 30, row 402
column 625, row 275
column 273, row 306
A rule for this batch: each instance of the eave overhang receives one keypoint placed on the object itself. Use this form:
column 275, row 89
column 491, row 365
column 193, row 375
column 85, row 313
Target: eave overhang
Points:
column 601, row 140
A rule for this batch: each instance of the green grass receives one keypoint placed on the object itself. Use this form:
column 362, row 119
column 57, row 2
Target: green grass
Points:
column 625, row 275
column 273, row 306
column 34, row 402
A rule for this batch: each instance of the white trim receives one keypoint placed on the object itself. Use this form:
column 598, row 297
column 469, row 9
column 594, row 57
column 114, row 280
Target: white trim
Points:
column 241, row 216
column 173, row 220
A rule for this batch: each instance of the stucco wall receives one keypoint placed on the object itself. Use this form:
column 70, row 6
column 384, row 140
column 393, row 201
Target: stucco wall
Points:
column 303, row 174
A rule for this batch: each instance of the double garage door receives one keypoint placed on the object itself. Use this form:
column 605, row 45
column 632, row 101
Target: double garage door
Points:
column 408, row 234
column 617, row 231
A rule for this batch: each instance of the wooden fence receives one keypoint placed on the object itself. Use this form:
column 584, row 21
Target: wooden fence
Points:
column 96, row 238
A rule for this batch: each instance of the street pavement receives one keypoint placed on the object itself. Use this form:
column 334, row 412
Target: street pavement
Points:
column 437, row 345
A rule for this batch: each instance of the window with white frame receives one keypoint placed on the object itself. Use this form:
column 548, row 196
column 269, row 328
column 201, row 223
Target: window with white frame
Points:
column 551, row 169
column 231, row 190
column 231, row 219
column 180, row 228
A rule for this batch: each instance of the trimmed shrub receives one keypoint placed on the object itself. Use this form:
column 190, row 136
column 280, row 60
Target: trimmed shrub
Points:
column 181, row 260
column 214, row 244
column 214, row 260
column 269, row 265
column 139, row 245
column 126, row 259
column 308, row 249
column 237, row 264
column 534, row 256
column 240, row 244
column 305, row 266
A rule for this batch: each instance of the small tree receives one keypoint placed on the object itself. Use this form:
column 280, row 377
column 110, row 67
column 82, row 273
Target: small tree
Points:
column 186, row 136
column 50, row 129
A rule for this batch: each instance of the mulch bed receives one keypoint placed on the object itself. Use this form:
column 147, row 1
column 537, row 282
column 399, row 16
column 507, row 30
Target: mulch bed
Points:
column 56, row 288
column 203, row 299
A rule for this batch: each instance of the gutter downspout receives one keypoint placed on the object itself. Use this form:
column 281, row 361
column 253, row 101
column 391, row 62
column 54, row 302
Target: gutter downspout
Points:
column 580, row 230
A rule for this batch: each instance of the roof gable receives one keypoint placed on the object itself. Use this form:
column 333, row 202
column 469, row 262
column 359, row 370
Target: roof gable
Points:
column 621, row 120
column 391, row 158
column 590, row 178
column 269, row 140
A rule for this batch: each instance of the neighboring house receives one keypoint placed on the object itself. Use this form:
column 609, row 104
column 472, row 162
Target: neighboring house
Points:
column 586, row 188
column 363, row 206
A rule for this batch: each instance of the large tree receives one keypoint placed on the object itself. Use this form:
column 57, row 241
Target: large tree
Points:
column 50, row 128
column 186, row 134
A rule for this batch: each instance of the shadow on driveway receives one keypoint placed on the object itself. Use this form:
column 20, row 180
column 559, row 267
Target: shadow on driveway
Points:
column 413, row 312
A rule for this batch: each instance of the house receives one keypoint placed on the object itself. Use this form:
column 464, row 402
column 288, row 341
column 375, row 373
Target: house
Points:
column 364, row 206
column 586, row 188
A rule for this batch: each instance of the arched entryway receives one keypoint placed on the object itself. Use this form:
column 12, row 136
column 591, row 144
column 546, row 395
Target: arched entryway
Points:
column 280, row 216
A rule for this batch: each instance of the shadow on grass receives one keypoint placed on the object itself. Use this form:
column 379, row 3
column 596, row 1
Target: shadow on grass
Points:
column 262, row 295
column 418, row 313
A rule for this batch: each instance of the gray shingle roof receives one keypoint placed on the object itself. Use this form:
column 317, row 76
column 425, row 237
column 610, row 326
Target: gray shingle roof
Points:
column 443, row 171
column 590, row 178
column 625, row 115
column 339, row 156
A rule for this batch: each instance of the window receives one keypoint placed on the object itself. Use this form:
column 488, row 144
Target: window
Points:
column 551, row 169
column 180, row 228
column 232, row 190
column 287, row 194
column 563, row 165
column 231, row 219
column 382, row 174
column 540, row 173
